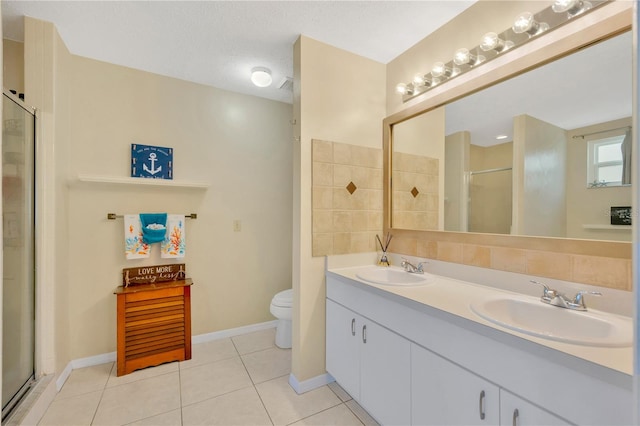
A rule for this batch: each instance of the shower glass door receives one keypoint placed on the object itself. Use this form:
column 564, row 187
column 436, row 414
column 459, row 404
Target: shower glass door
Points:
column 18, row 297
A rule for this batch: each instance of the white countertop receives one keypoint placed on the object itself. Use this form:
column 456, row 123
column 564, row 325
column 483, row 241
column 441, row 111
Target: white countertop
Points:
column 456, row 296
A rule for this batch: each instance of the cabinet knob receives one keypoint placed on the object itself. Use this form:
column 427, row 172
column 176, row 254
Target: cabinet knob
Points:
column 516, row 416
column 353, row 326
column 481, row 405
column 364, row 334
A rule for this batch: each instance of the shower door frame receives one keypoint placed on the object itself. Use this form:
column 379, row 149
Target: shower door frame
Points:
column 24, row 389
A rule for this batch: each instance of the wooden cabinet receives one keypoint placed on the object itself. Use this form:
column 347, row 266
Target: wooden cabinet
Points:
column 443, row 393
column 515, row 411
column 371, row 363
column 154, row 324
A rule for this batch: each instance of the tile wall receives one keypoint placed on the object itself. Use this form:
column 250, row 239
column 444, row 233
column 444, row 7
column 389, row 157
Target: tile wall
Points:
column 415, row 191
column 347, row 195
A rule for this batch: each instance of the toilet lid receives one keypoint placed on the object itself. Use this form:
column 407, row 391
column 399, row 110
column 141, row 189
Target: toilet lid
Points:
column 283, row 299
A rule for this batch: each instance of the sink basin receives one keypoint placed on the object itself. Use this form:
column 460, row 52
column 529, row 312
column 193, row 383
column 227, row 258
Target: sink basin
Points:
column 531, row 316
column 392, row 276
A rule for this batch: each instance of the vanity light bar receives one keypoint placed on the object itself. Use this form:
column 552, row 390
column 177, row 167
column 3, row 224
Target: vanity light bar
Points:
column 525, row 27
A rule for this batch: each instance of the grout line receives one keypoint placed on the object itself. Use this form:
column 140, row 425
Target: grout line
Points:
column 180, row 393
column 327, row 409
column 255, row 388
column 95, row 413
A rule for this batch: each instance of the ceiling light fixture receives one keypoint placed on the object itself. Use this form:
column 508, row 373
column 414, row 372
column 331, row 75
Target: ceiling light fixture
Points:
column 501, row 137
column 525, row 27
column 261, row 76
column 526, row 23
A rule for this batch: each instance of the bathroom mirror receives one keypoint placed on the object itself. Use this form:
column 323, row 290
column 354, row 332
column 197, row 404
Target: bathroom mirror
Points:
column 518, row 157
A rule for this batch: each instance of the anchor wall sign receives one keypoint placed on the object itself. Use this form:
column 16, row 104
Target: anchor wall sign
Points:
column 154, row 162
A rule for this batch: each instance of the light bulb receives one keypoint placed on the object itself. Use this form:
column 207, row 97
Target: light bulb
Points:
column 401, row 89
column 439, row 69
column 418, row 80
column 525, row 23
column 261, row 76
column 491, row 41
column 572, row 7
column 463, row 56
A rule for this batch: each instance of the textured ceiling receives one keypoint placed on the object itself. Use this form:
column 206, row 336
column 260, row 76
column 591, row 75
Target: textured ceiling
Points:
column 218, row 42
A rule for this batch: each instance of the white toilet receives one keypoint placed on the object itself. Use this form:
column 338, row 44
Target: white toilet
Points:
column 281, row 309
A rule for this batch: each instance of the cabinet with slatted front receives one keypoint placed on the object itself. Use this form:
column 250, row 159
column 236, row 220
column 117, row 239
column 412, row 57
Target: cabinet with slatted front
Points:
column 154, row 324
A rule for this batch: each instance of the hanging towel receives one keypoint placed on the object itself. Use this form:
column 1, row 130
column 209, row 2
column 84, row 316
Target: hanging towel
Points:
column 173, row 246
column 154, row 227
column 134, row 246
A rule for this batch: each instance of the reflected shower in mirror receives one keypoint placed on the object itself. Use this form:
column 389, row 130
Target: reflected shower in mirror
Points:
column 520, row 157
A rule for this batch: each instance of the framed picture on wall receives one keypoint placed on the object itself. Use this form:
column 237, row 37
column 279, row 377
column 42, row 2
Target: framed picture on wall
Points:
column 621, row 215
column 152, row 162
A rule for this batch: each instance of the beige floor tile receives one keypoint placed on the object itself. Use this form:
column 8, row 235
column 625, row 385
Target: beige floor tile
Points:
column 172, row 418
column 341, row 393
column 285, row 406
column 242, row 407
column 268, row 364
column 257, row 341
column 145, row 373
column 75, row 410
column 211, row 380
column 204, row 353
column 361, row 413
column 85, row 380
column 139, row 400
column 340, row 415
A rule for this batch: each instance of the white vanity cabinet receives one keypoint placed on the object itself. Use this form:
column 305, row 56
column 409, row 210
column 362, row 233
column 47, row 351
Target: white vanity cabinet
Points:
column 516, row 411
column 407, row 362
column 370, row 362
column 443, row 393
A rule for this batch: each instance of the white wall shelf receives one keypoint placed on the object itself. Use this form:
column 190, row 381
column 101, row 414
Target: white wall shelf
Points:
column 608, row 227
column 129, row 181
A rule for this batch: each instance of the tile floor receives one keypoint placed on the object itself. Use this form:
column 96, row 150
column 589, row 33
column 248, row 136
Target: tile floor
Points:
column 241, row 380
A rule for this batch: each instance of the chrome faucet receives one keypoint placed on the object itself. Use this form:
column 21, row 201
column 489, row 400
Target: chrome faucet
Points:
column 411, row 268
column 555, row 298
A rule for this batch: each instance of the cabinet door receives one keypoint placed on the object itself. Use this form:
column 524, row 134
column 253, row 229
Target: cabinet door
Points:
column 515, row 411
column 343, row 347
column 442, row 393
column 385, row 375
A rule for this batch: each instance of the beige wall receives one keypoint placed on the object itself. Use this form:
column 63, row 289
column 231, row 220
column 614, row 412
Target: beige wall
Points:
column 13, row 65
column 490, row 194
column 539, row 176
column 47, row 86
column 457, row 146
column 592, row 206
column 240, row 145
column 340, row 97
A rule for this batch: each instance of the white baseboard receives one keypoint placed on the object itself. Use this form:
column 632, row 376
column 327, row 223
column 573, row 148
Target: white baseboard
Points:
column 309, row 384
column 201, row 338
column 223, row 334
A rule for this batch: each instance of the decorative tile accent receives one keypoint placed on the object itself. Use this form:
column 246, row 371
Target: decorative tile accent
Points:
column 415, row 192
column 345, row 221
column 413, row 208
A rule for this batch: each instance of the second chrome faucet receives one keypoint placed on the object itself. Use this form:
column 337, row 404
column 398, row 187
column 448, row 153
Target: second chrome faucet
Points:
column 555, row 298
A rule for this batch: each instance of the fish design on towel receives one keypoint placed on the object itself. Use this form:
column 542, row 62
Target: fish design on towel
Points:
column 173, row 246
column 134, row 246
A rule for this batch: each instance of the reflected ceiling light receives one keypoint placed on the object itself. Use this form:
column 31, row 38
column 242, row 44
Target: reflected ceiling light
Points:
column 525, row 23
column 501, row 137
column 261, row 76
column 491, row 41
column 463, row 56
column 572, row 7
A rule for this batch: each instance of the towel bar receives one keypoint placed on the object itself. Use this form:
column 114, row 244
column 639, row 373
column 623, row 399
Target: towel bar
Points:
column 113, row 216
